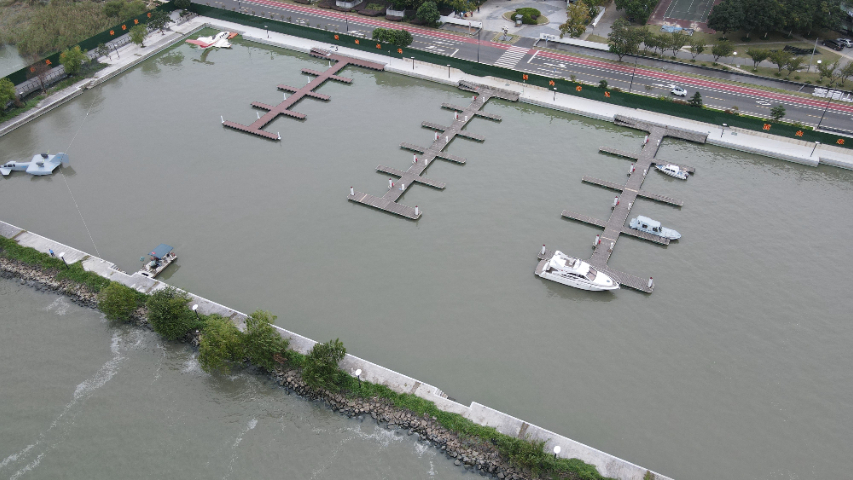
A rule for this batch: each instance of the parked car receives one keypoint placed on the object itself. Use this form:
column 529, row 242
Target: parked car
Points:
column 844, row 41
column 833, row 44
column 678, row 91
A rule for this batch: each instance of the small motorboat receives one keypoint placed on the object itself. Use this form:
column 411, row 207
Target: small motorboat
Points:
column 646, row 224
column 574, row 272
column 673, row 171
column 161, row 257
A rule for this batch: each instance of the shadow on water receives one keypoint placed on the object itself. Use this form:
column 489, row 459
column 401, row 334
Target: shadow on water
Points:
column 168, row 272
column 68, row 171
column 575, row 294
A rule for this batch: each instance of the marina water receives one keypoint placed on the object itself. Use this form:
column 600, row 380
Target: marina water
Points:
column 738, row 364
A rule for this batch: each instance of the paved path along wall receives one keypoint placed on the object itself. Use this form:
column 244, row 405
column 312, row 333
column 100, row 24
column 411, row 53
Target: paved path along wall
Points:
column 607, row 464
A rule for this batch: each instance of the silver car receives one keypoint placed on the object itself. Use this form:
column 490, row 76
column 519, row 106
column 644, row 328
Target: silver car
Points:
column 844, row 42
column 678, row 91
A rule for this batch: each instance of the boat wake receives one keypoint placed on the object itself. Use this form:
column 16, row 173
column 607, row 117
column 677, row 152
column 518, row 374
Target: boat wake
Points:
column 249, row 427
column 60, row 426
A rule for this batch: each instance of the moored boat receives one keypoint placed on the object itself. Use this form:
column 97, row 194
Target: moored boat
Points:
column 161, row 257
column 646, row 224
column 673, row 171
column 574, row 272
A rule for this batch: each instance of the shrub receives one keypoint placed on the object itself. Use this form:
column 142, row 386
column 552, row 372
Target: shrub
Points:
column 529, row 16
column 168, row 313
column 321, row 365
column 118, row 302
column 182, row 4
column 428, row 13
column 602, row 84
column 72, row 59
column 221, row 345
column 262, row 341
column 400, row 38
column 696, row 100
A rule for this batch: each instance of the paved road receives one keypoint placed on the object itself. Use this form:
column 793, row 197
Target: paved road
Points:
column 524, row 57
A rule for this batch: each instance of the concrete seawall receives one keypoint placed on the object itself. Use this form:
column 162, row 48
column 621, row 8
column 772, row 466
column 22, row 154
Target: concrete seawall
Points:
column 607, row 464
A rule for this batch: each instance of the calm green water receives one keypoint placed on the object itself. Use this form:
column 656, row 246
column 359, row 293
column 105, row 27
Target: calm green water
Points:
column 739, row 362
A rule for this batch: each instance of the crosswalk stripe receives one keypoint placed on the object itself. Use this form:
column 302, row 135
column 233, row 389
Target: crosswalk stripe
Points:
column 511, row 57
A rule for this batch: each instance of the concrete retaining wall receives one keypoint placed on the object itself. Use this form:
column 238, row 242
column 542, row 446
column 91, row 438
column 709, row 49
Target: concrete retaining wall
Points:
column 607, row 465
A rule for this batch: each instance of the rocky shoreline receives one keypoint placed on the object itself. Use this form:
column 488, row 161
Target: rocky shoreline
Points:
column 473, row 455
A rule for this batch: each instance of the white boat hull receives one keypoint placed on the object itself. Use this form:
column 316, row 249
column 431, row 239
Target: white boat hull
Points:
column 542, row 273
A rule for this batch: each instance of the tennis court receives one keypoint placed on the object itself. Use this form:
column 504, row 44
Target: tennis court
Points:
column 690, row 10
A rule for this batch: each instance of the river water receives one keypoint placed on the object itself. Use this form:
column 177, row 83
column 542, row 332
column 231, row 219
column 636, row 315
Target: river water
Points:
column 83, row 398
column 739, row 362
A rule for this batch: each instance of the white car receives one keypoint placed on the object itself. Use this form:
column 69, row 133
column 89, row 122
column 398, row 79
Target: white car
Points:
column 844, row 42
column 678, row 91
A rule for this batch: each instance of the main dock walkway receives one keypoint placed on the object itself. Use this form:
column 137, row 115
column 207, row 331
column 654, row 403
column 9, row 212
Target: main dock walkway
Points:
column 443, row 136
column 615, row 225
column 283, row 108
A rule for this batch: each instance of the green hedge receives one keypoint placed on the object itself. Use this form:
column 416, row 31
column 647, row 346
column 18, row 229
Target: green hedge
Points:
column 92, row 42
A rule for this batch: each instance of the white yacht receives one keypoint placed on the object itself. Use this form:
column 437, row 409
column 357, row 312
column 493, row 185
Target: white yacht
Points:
column 573, row 272
column 673, row 171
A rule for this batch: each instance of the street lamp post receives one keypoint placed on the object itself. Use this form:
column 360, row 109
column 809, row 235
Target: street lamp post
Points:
column 555, row 94
column 556, row 451
column 478, row 43
column 268, row 30
column 358, row 376
column 828, row 101
column 62, row 256
column 448, row 71
column 195, row 310
column 413, row 63
column 633, row 73
column 815, row 148
column 346, row 19
column 723, row 130
column 812, row 55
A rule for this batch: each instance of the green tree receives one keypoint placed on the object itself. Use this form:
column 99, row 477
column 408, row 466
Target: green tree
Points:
column 677, row 41
column 577, row 18
column 757, row 55
column 132, row 9
column 794, row 64
column 696, row 47
column 721, row 49
column 118, row 302
column 637, row 11
column 726, row 16
column 827, row 70
column 183, row 4
column 112, row 8
column 780, row 58
column 168, row 313
column 777, row 112
column 623, row 40
column 72, row 59
column 158, row 21
column 845, row 72
column 696, row 100
column 321, row 365
column 137, row 34
column 762, row 16
column 428, row 13
column 7, row 93
column 660, row 43
column 404, row 38
column 262, row 341
column 221, row 345
column 103, row 50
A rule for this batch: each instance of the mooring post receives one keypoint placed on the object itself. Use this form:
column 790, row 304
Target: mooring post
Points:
column 390, row 184
column 416, row 211
column 279, row 135
column 615, row 201
column 542, row 252
column 222, row 118
column 597, row 241
column 631, row 169
column 402, row 187
column 651, row 283
column 351, row 191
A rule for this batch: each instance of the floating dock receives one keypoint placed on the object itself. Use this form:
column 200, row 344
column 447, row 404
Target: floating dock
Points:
column 630, row 190
column 444, row 135
column 283, row 108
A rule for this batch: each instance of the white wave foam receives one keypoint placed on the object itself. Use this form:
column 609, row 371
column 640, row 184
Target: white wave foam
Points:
column 65, row 419
column 249, row 427
column 59, row 306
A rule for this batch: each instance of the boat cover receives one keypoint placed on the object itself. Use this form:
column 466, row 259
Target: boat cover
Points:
column 161, row 251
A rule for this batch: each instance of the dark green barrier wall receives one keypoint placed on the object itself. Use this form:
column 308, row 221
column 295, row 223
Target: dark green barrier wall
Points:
column 92, row 42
